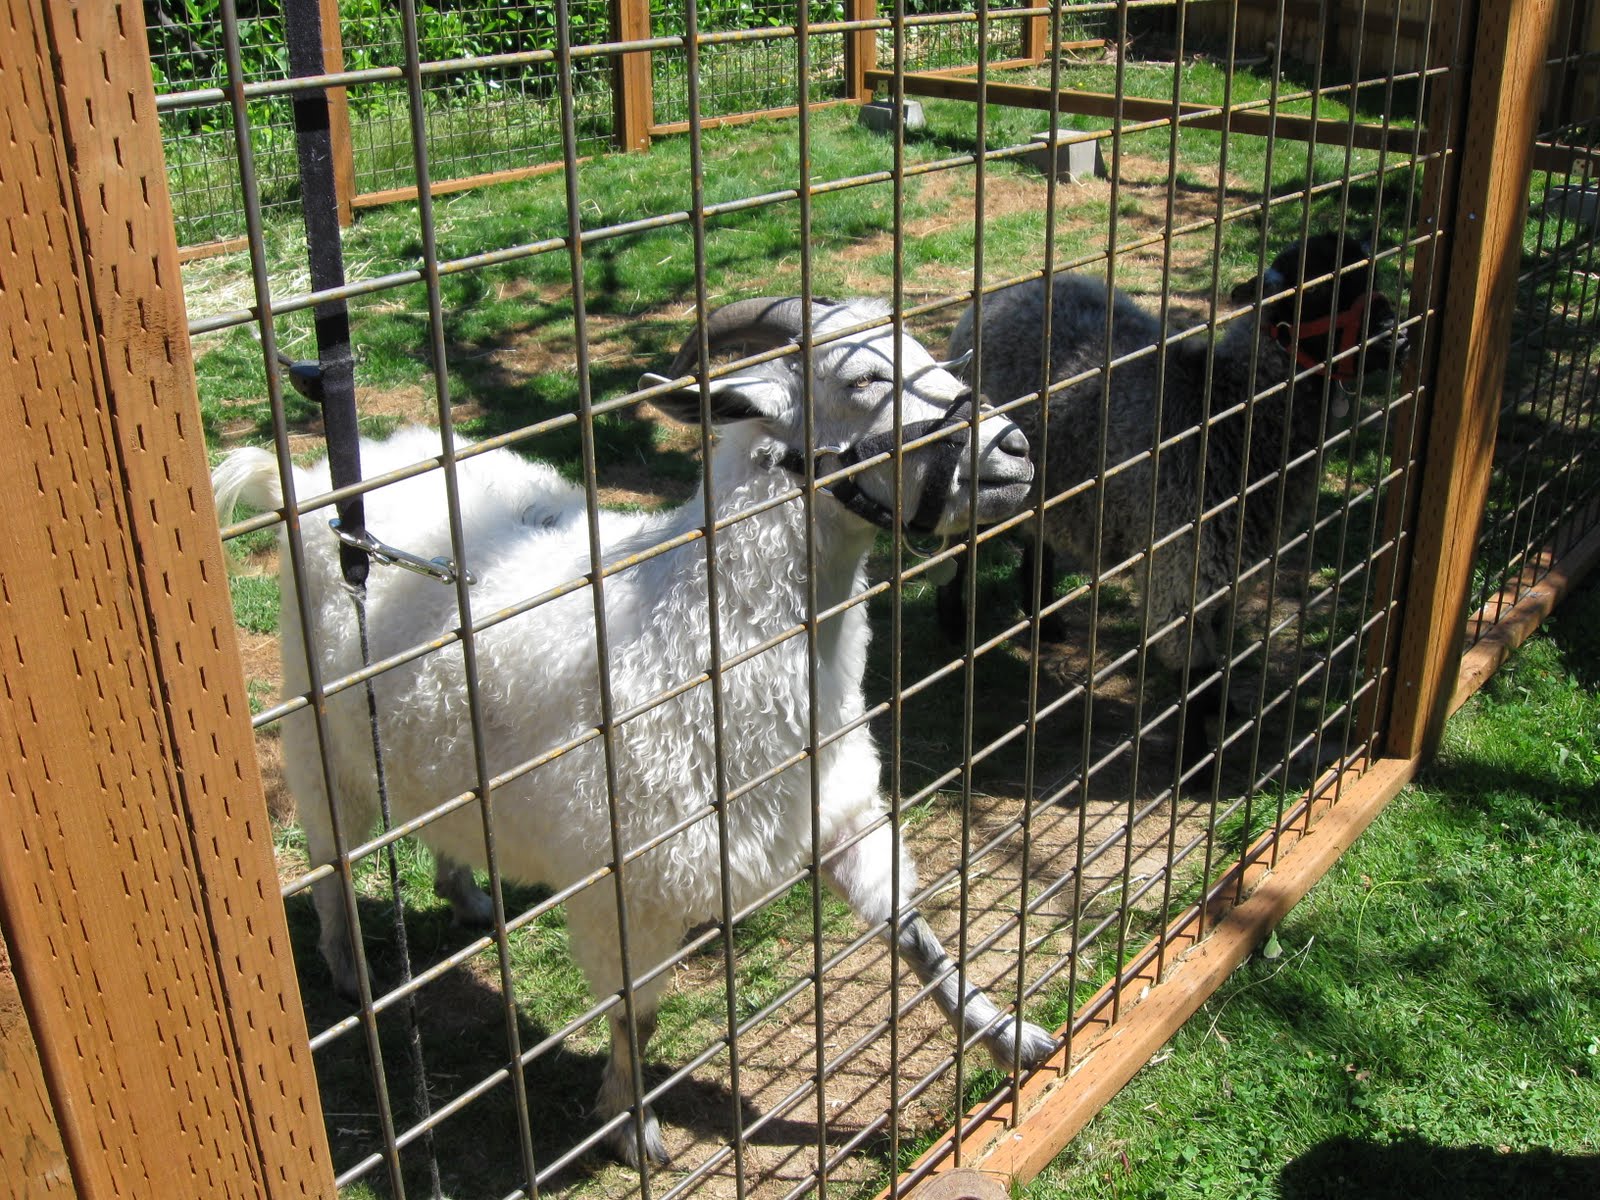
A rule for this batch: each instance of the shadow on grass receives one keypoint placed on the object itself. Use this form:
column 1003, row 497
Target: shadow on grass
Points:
column 462, row 1024
column 1466, row 775
column 1414, row 1169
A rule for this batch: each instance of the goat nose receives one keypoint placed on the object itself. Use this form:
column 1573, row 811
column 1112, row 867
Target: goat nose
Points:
column 1015, row 443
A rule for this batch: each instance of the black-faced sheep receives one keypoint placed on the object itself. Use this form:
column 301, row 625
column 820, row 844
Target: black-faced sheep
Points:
column 1266, row 402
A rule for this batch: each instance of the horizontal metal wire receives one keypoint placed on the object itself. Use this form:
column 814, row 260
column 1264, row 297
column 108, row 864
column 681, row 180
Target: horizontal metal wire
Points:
column 300, row 301
column 1344, row 601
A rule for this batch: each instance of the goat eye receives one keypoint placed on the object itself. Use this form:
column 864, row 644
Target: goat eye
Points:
column 866, row 382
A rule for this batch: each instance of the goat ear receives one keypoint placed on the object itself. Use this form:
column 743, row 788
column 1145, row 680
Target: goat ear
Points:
column 733, row 398
column 1269, row 281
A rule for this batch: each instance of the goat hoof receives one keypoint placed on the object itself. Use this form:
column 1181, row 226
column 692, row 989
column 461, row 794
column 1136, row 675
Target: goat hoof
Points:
column 625, row 1142
column 1037, row 1044
column 472, row 911
column 1053, row 630
column 341, row 962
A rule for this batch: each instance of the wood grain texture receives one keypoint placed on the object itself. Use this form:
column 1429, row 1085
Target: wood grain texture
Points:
column 344, row 158
column 632, row 81
column 33, row 1162
column 1490, row 208
column 137, row 887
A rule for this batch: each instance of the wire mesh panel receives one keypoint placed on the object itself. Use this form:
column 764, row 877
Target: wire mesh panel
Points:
column 483, row 119
column 754, row 67
column 187, row 53
column 767, row 802
column 1544, row 481
column 947, row 34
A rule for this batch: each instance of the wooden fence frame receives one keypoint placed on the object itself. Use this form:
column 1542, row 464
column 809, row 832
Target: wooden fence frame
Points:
column 632, row 104
column 151, row 1036
column 164, row 1051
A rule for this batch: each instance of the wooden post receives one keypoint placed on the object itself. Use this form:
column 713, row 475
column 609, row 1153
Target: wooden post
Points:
column 860, row 51
column 32, row 1160
column 1449, row 50
column 1485, row 248
column 1035, row 38
column 633, row 101
column 344, row 162
column 138, row 894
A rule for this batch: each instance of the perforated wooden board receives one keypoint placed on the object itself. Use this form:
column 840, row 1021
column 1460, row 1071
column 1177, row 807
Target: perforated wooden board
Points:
column 33, row 1162
column 136, row 886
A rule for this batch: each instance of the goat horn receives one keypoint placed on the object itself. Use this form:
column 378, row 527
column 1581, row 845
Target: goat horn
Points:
column 761, row 323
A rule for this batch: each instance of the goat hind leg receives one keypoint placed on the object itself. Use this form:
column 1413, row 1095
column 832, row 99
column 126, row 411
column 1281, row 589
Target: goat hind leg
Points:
column 470, row 905
column 593, row 935
column 337, row 938
column 861, row 874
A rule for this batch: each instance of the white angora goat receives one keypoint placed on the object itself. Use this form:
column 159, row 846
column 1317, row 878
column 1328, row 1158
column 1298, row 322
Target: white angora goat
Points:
column 1252, row 364
column 538, row 676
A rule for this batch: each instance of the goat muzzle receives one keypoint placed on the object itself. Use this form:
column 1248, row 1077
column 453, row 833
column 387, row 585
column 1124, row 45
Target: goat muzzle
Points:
column 941, row 460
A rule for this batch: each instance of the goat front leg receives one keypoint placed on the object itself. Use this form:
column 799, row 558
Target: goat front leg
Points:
column 1052, row 626
column 861, row 875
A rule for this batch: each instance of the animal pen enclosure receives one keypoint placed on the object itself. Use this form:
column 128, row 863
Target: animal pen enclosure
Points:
column 1090, row 854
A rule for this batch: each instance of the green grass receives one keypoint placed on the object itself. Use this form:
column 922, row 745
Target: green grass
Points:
column 509, row 332
column 1432, row 1026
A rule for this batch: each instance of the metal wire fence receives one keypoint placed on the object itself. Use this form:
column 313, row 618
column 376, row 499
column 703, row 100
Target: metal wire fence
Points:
column 1545, row 482
column 480, row 122
column 657, row 730
column 186, row 53
column 747, row 75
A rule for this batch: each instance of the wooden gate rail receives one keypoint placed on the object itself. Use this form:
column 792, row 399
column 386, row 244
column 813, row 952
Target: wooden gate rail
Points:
column 137, row 884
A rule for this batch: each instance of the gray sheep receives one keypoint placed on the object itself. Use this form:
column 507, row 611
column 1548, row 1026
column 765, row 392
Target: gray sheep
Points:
column 1331, row 335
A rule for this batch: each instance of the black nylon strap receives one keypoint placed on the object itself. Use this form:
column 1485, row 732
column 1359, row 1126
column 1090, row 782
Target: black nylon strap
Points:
column 945, row 455
column 335, row 388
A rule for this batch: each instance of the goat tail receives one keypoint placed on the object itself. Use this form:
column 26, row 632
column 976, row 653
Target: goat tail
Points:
column 249, row 475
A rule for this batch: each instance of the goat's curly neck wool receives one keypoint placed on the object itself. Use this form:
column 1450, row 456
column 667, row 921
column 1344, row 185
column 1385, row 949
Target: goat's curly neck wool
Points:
column 538, row 675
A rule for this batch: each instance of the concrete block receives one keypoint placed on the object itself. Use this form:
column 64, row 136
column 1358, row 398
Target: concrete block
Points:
column 1574, row 201
column 878, row 115
column 1071, row 162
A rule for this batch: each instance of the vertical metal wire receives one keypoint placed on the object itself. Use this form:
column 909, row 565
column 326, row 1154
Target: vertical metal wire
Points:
column 1106, row 369
column 1293, row 395
column 813, row 661
column 702, row 302
column 1163, row 326
column 291, row 515
column 440, row 355
column 397, row 908
column 1035, row 531
column 1252, row 378
column 1389, row 386
column 969, row 674
column 1203, row 457
column 591, row 489
column 897, row 586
